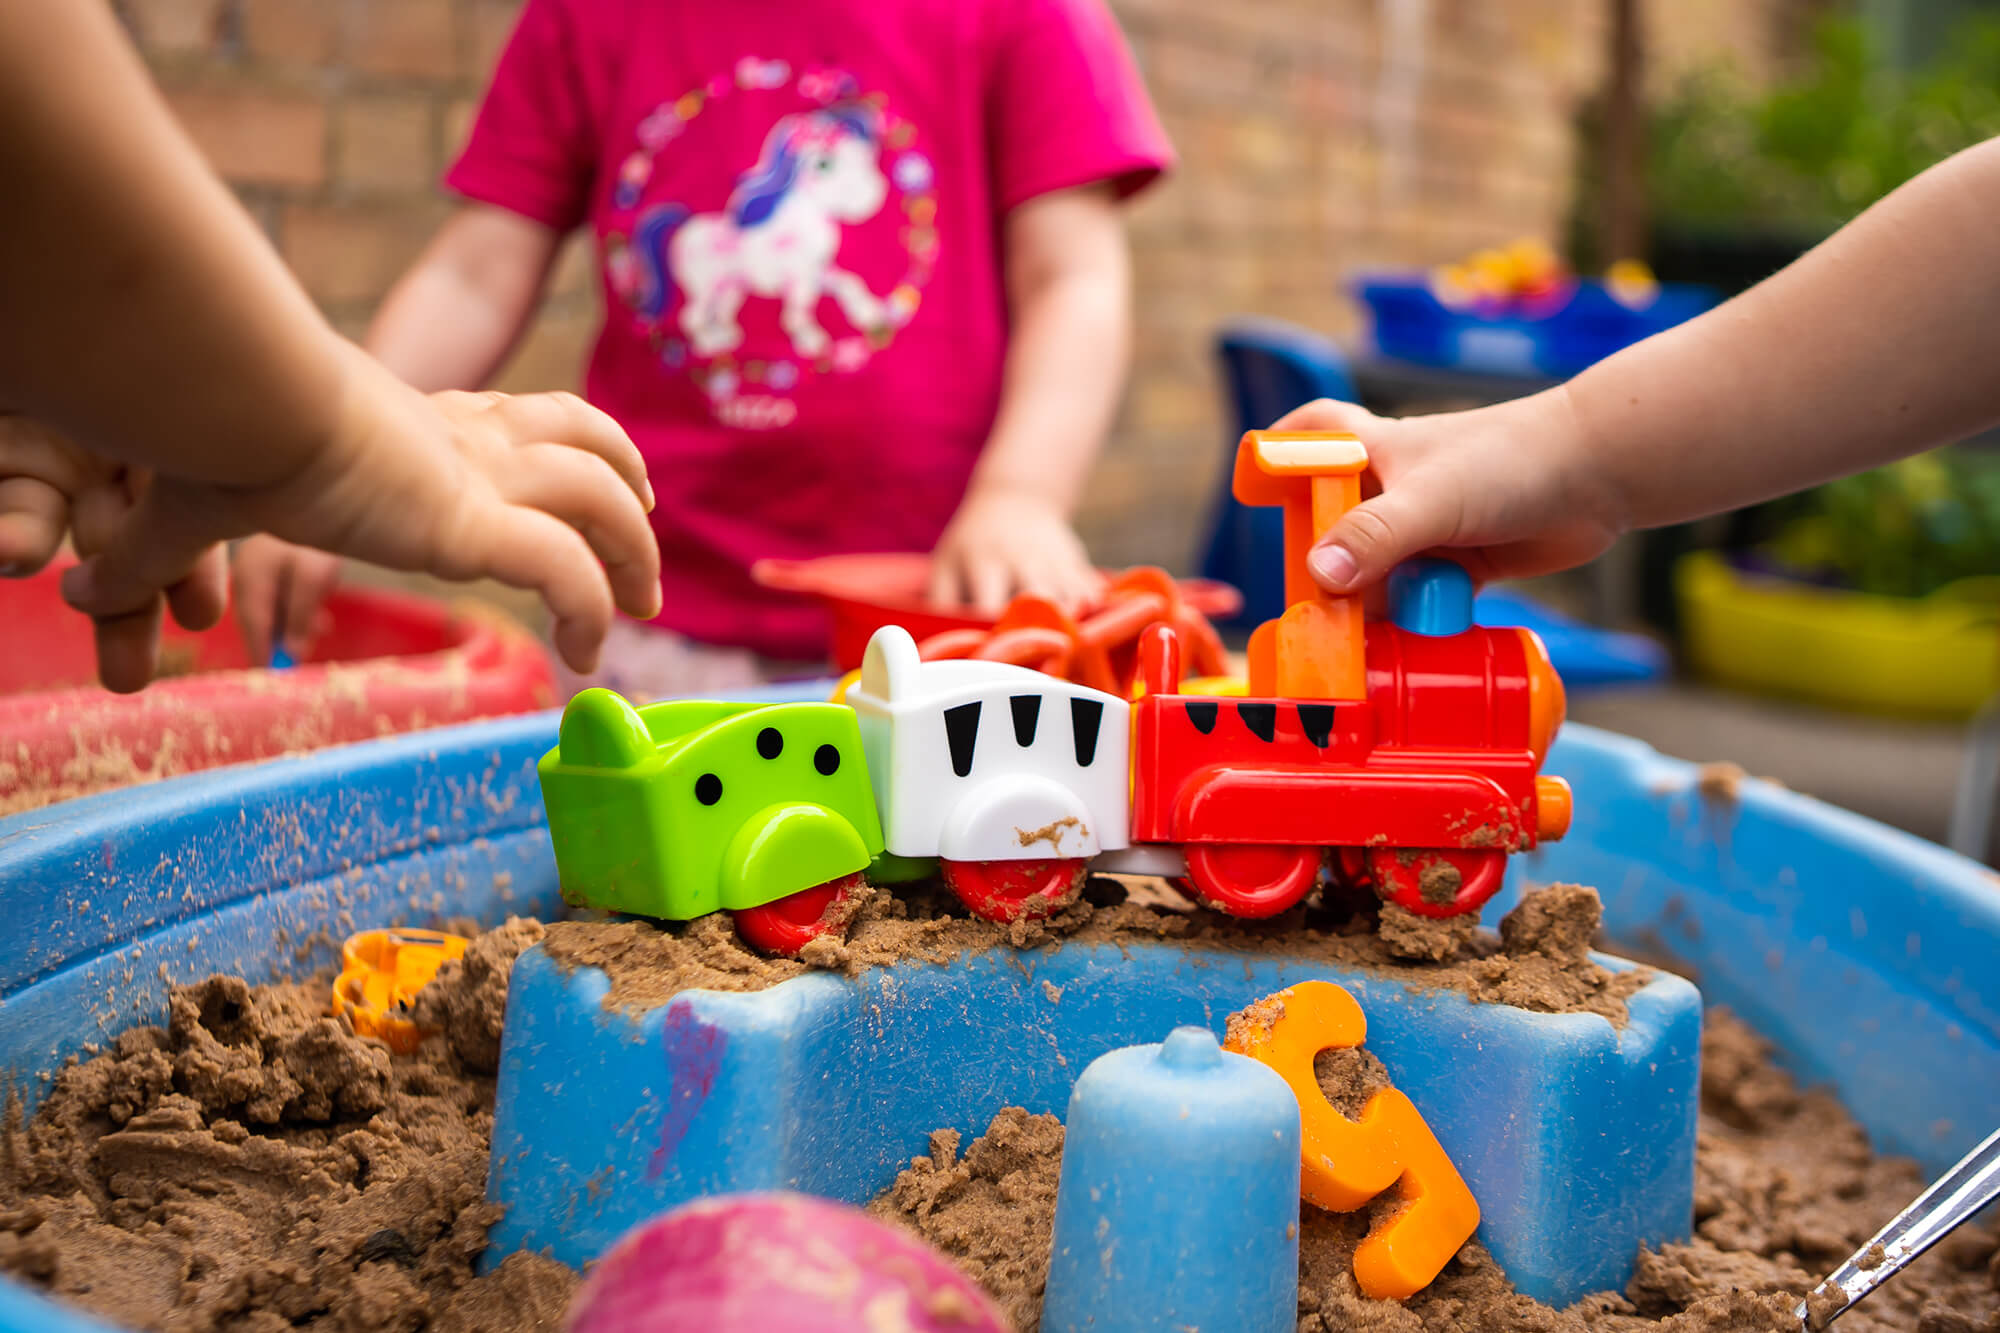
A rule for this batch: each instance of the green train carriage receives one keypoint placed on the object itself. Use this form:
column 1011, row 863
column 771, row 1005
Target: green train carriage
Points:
column 678, row 809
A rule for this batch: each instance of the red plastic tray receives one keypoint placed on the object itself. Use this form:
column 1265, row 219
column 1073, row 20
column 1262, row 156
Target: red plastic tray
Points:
column 866, row 592
column 388, row 662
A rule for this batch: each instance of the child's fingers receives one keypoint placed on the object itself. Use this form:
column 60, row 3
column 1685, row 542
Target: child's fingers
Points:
column 257, row 573
column 947, row 583
column 1371, row 538
column 33, row 517
column 523, row 547
column 131, row 565
column 564, row 418
column 576, row 489
column 988, row 583
column 199, row 600
column 1070, row 584
column 1328, row 414
column 128, row 645
column 311, row 576
column 1076, row 584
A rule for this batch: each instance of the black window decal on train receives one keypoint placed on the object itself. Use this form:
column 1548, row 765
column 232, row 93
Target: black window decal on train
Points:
column 1203, row 717
column 1027, row 710
column 1087, row 716
column 1316, row 720
column 1262, row 719
column 961, row 729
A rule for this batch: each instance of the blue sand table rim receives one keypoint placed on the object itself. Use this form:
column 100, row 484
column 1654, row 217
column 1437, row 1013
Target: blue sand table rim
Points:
column 1871, row 958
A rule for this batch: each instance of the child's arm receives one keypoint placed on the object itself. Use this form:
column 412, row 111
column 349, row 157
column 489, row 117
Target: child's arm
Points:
column 448, row 323
column 1069, row 286
column 148, row 321
column 1877, row 344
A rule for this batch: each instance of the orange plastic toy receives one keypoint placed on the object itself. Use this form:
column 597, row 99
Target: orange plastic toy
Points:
column 1345, row 1163
column 864, row 592
column 1316, row 649
column 381, row 972
column 1100, row 651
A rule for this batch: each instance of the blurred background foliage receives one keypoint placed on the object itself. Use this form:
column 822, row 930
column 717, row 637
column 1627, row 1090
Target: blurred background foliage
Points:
column 1905, row 530
column 1740, row 179
column 1813, row 150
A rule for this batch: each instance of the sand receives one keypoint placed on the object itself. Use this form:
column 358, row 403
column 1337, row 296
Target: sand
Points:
column 1539, row 960
column 1786, row 1189
column 256, row 1166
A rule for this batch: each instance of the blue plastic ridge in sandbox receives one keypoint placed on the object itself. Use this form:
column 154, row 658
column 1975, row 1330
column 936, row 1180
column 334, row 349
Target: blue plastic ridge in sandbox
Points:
column 1576, row 1137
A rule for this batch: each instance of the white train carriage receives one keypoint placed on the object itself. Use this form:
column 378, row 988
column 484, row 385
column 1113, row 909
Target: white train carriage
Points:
column 1012, row 778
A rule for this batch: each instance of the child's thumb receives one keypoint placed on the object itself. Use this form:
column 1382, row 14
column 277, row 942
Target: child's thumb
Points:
column 1376, row 535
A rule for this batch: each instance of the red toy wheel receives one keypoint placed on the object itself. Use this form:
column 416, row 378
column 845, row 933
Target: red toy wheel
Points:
column 1014, row 890
column 1251, row 880
column 790, row 923
column 1436, row 882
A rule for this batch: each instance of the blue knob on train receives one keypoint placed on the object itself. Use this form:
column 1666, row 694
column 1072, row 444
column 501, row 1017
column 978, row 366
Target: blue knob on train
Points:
column 1431, row 596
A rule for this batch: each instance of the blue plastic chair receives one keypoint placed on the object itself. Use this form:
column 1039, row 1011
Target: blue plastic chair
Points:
column 1270, row 368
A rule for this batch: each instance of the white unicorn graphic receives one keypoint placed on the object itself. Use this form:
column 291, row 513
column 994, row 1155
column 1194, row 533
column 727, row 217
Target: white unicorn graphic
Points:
column 776, row 238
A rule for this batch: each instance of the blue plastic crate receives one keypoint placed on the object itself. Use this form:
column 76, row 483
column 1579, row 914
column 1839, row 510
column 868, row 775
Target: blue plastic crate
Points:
column 1411, row 324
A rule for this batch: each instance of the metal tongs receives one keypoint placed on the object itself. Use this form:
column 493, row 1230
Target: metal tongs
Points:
column 1955, row 1198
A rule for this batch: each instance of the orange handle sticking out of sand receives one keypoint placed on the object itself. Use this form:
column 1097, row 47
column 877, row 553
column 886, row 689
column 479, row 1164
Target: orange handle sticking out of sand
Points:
column 1345, row 1163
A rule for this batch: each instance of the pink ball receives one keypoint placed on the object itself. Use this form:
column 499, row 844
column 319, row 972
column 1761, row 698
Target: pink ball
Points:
column 777, row 1263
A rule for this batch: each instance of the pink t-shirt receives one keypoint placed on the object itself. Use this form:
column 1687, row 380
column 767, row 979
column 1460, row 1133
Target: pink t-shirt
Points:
column 797, row 210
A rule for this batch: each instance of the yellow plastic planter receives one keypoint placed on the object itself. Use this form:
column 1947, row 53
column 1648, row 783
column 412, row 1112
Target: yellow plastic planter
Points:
column 1937, row 656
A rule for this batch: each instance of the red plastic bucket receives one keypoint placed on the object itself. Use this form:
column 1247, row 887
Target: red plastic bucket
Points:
column 388, row 662
column 866, row 592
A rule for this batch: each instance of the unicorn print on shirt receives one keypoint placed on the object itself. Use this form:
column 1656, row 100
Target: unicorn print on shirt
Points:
column 776, row 239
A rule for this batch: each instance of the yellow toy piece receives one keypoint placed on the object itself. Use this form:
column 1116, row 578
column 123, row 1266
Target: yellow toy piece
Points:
column 381, row 972
column 1631, row 283
column 1345, row 1163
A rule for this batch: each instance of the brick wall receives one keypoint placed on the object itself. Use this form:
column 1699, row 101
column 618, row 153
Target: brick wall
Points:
column 1317, row 137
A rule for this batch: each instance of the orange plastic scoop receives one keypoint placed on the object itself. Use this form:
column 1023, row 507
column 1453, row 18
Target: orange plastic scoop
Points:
column 381, row 973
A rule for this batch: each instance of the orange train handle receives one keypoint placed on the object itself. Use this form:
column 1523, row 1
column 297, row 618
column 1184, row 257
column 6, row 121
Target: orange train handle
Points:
column 1315, row 650
column 1345, row 1163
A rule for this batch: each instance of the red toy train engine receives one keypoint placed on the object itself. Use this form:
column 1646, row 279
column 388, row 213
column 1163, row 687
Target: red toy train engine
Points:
column 1409, row 749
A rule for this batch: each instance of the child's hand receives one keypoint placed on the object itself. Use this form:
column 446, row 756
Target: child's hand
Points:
column 1001, row 543
column 1509, row 490
column 540, row 491
column 280, row 589
column 50, row 488
column 41, row 474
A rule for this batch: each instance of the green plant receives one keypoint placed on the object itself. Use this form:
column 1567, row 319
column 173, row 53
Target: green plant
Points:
column 1812, row 151
column 1905, row 530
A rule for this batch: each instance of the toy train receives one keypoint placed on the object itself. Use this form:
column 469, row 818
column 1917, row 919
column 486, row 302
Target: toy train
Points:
column 1404, row 755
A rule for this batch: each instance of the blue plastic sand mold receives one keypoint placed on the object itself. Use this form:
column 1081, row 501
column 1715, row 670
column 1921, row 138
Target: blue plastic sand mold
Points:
column 1196, row 1150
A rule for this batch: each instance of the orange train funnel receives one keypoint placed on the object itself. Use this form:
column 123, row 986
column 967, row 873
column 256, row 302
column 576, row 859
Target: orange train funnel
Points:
column 1315, row 650
column 380, row 975
column 1345, row 1163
